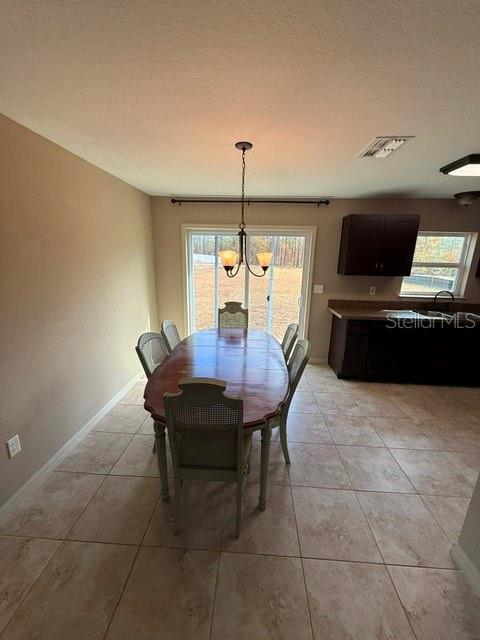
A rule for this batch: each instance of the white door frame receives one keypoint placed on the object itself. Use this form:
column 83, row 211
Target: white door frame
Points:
column 310, row 233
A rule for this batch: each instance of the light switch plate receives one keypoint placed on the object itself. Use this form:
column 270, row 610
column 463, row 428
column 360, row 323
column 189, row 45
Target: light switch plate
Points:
column 318, row 288
column 373, row 291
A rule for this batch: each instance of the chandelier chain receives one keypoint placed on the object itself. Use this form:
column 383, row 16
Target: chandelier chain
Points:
column 230, row 268
column 243, row 187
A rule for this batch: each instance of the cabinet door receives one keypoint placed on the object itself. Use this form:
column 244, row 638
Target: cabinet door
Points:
column 398, row 245
column 360, row 244
column 389, row 353
column 355, row 358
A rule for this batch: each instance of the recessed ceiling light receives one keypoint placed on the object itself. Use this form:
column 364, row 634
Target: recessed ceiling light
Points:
column 382, row 146
column 467, row 166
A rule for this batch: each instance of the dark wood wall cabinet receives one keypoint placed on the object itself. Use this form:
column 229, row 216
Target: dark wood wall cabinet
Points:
column 378, row 245
column 374, row 350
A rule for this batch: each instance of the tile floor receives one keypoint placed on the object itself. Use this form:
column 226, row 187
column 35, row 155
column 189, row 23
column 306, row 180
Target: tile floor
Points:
column 354, row 544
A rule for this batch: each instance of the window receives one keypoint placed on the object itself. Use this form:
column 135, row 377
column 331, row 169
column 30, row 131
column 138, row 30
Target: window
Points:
column 439, row 262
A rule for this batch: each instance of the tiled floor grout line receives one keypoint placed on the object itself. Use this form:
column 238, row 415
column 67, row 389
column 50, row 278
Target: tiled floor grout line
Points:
column 435, row 518
column 139, row 547
column 378, row 434
column 275, row 483
column 370, row 528
column 89, row 435
column 121, row 593
column 220, row 551
column 445, row 459
column 109, row 474
column 118, row 544
column 242, row 552
column 85, row 507
column 27, row 593
column 301, row 560
column 128, row 433
column 400, row 600
column 212, row 615
column 361, row 509
column 339, row 444
column 403, row 471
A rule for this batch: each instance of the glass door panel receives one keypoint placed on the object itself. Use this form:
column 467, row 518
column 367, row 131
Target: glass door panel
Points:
column 287, row 283
column 273, row 301
column 202, row 283
column 259, row 288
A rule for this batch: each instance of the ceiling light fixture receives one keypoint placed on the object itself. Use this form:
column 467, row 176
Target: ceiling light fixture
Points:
column 467, row 198
column 466, row 167
column 229, row 256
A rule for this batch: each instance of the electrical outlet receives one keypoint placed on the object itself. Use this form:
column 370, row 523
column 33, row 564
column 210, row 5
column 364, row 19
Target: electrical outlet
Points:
column 13, row 446
column 373, row 291
column 318, row 288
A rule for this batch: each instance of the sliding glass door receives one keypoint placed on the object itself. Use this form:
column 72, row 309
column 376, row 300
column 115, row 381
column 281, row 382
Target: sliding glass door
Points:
column 273, row 301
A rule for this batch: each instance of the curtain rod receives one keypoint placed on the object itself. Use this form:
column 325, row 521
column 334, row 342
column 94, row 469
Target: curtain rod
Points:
column 248, row 201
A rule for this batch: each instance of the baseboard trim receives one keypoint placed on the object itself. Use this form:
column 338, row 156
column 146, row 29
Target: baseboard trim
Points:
column 466, row 566
column 12, row 503
column 318, row 360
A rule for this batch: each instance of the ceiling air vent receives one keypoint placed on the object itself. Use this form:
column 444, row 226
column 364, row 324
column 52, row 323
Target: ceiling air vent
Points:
column 383, row 146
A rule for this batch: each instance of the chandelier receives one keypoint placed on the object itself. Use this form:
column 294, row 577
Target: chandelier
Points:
column 231, row 259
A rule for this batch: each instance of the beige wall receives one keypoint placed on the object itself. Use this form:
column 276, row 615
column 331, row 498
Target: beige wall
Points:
column 77, row 288
column 436, row 215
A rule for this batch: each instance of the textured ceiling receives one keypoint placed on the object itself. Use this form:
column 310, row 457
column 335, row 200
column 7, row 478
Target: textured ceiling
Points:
column 157, row 92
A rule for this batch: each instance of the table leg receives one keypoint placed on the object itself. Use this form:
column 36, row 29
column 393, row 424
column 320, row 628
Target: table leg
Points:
column 162, row 459
column 265, row 452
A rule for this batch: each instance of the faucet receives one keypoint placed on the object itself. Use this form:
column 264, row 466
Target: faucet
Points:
column 444, row 291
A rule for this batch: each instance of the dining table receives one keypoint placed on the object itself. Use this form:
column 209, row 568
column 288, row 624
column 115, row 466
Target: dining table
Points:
column 252, row 364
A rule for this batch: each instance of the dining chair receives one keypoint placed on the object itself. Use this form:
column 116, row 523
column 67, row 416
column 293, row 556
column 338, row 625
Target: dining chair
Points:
column 170, row 334
column 289, row 338
column 296, row 366
column 152, row 351
column 207, row 439
column 232, row 316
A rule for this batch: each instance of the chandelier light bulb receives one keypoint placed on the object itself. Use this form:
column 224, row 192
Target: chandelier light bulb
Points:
column 228, row 258
column 264, row 259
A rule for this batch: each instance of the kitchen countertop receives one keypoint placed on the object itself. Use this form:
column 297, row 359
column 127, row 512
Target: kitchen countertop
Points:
column 357, row 313
column 397, row 309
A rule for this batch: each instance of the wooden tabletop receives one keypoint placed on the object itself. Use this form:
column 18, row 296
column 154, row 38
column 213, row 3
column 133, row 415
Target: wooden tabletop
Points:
column 250, row 361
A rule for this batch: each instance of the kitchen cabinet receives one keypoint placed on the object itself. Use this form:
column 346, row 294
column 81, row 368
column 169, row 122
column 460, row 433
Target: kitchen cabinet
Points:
column 377, row 244
column 374, row 350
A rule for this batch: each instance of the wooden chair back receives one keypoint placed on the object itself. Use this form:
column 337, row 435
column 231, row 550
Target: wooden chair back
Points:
column 205, row 430
column 170, row 334
column 152, row 351
column 233, row 316
column 289, row 338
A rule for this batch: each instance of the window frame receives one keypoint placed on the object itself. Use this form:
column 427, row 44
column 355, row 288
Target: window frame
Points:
column 462, row 266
